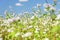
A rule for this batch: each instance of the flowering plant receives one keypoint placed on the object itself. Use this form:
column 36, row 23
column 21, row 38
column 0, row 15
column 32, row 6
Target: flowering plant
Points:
column 36, row 26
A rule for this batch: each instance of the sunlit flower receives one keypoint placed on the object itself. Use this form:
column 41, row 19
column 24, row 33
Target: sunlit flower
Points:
column 30, row 26
column 36, row 31
column 1, row 38
column 46, row 29
column 46, row 38
column 45, row 10
column 38, row 5
column 32, row 17
column 57, row 34
column 17, row 34
column 15, row 18
column 34, row 39
column 11, row 20
column 27, row 34
column 44, row 23
column 44, row 32
column 25, row 21
column 52, row 8
column 46, row 5
column 0, row 35
column 58, row 16
column 9, row 30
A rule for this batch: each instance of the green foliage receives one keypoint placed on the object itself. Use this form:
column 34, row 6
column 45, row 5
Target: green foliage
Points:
column 38, row 26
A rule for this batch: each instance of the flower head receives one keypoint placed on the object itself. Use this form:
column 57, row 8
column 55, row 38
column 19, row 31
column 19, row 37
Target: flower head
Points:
column 17, row 34
column 27, row 34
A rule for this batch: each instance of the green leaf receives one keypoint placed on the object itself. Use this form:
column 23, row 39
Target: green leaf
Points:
column 55, row 29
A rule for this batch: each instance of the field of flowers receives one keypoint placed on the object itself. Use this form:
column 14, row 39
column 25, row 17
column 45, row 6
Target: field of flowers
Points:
column 40, row 25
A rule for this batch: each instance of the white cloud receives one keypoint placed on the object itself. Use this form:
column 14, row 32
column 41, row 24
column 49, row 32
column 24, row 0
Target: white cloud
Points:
column 23, row 0
column 19, row 4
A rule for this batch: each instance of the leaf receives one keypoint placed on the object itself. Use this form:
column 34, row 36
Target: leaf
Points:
column 55, row 28
column 53, row 16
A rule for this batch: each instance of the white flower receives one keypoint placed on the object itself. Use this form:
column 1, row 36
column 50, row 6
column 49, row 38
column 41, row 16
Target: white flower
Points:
column 25, row 21
column 3, row 30
column 57, row 34
column 11, row 20
column 17, row 34
column 9, row 30
column 36, row 31
column 38, row 5
column 1, row 38
column 45, row 10
column 44, row 32
column 15, row 18
column 27, row 34
column 57, row 22
column 52, row 8
column 46, row 5
column 32, row 17
column 45, row 29
column 46, row 38
column 44, row 23
column 0, row 35
column 30, row 27
column 58, row 16
column 34, row 39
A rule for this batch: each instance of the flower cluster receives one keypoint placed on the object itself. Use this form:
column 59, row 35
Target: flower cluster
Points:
column 40, row 25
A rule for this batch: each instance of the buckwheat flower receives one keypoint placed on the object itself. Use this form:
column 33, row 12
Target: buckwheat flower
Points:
column 34, row 39
column 36, row 31
column 57, row 34
column 45, row 10
column 9, row 30
column 56, row 23
column 52, row 8
column 17, row 34
column 32, row 17
column 46, row 5
column 30, row 26
column 58, row 16
column 13, row 19
column 27, row 27
column 46, row 38
column 1, row 38
column 5, row 21
column 38, row 5
column 10, row 20
column 37, row 28
column 44, row 32
column 0, row 35
column 25, row 21
column 44, row 23
column 3, row 30
column 27, row 34
column 17, row 18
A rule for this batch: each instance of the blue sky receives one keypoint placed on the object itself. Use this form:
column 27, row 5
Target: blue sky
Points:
column 19, row 6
